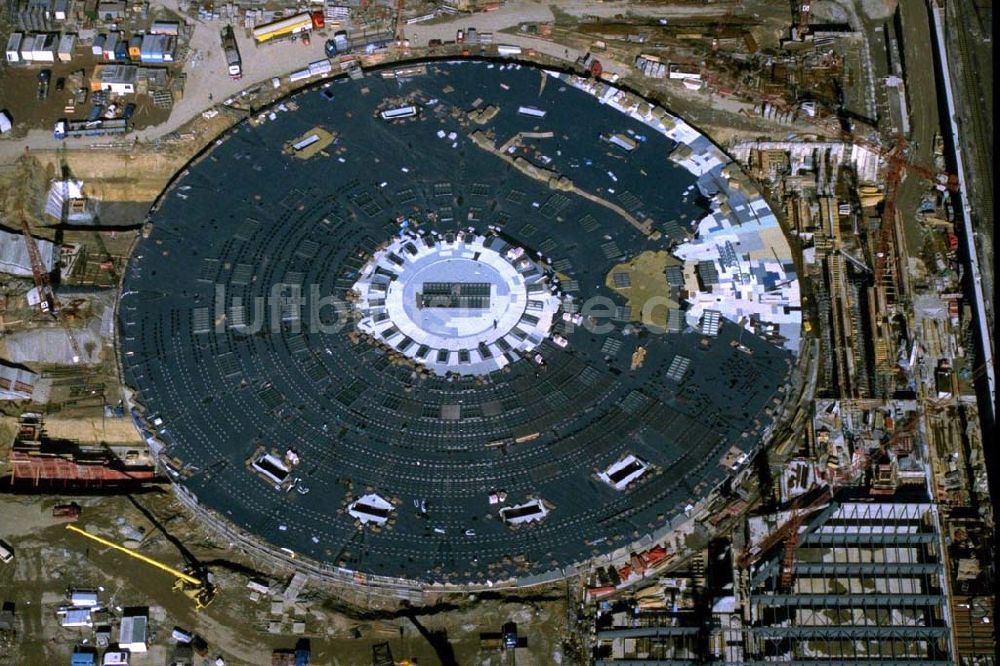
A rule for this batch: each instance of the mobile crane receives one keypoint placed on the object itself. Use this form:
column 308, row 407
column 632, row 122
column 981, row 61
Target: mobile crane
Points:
column 198, row 589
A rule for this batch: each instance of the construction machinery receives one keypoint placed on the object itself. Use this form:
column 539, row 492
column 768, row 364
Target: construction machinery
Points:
column 805, row 9
column 45, row 293
column 788, row 532
column 400, row 27
column 198, row 588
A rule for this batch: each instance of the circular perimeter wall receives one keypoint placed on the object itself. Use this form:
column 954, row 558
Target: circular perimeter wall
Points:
column 387, row 323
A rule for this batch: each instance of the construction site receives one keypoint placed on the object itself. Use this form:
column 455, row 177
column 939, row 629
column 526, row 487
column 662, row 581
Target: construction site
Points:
column 394, row 332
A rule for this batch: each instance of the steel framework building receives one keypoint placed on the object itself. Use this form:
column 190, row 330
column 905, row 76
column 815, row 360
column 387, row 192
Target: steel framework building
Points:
column 867, row 587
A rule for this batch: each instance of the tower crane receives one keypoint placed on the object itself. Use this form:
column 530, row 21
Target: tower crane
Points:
column 788, row 534
column 805, row 8
column 400, row 30
column 47, row 299
column 198, row 589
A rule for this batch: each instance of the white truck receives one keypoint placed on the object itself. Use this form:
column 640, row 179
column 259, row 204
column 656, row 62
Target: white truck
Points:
column 232, row 53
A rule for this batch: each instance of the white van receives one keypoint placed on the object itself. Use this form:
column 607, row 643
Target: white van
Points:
column 6, row 553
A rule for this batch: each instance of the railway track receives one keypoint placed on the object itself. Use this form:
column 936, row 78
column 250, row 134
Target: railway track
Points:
column 970, row 87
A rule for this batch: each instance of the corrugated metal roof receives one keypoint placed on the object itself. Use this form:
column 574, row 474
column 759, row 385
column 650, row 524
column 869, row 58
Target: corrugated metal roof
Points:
column 14, row 258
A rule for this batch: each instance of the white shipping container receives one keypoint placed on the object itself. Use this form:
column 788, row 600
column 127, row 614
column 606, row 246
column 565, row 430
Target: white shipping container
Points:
column 110, row 45
column 320, row 67
column 66, row 45
column 44, row 49
column 83, row 598
column 14, row 47
column 165, row 28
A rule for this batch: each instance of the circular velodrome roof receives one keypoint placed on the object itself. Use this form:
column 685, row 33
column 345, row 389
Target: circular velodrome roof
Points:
column 247, row 337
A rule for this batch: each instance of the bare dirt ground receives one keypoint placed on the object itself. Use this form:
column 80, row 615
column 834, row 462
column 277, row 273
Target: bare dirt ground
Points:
column 49, row 560
column 93, row 430
column 20, row 96
column 647, row 284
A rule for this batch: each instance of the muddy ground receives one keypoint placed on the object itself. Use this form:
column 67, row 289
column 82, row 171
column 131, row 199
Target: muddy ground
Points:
column 341, row 628
column 21, row 95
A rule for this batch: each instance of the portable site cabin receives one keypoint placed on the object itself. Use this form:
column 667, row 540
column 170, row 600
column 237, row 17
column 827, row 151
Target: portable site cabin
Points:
column 44, row 48
column 134, row 47
column 132, row 633
column 157, row 49
column 14, row 47
column 76, row 617
column 26, row 45
column 172, row 28
column 32, row 44
column 111, row 45
column 60, row 10
column 98, row 46
column 83, row 658
column 66, row 45
column 118, row 79
column 83, row 598
column 111, row 11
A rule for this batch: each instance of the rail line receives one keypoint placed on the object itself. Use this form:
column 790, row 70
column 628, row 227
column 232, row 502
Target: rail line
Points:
column 979, row 300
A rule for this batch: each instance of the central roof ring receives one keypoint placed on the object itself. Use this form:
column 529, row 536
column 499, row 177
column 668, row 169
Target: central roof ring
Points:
column 463, row 303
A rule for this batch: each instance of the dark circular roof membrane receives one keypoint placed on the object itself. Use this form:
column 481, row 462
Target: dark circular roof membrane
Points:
column 230, row 375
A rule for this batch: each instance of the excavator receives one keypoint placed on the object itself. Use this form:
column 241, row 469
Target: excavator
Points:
column 198, row 588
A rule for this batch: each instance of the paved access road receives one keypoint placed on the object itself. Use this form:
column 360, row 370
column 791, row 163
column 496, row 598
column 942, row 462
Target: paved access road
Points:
column 208, row 83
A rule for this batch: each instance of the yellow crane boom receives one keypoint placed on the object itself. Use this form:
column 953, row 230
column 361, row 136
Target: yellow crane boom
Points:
column 199, row 590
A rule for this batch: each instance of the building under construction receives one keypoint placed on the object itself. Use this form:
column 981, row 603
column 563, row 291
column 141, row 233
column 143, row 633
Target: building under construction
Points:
column 38, row 462
column 855, row 583
column 864, row 582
